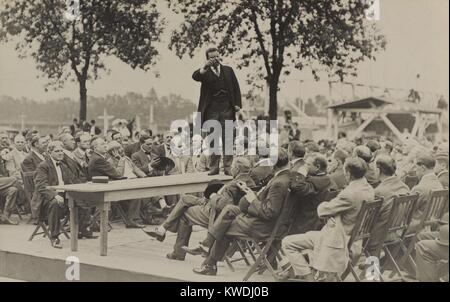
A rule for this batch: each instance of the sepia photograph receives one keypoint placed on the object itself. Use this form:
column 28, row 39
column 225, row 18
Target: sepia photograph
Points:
column 245, row 143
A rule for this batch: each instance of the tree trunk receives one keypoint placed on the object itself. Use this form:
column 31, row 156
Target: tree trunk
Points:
column 83, row 99
column 273, row 105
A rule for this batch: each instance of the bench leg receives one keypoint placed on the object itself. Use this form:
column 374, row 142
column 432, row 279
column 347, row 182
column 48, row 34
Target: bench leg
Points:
column 104, row 229
column 73, row 225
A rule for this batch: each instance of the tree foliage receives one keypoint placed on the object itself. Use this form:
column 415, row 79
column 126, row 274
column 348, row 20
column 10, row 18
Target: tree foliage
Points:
column 72, row 42
column 273, row 37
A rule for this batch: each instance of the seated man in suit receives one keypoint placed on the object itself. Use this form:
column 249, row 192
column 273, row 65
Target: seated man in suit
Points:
column 259, row 214
column 428, row 182
column 390, row 186
column 52, row 172
column 191, row 210
column 100, row 166
column 130, row 171
column 371, row 174
column 135, row 147
column 79, row 175
column 15, row 158
column 146, row 159
column 338, row 175
column 81, row 153
column 8, row 193
column 441, row 168
column 98, row 163
column 310, row 186
column 296, row 153
column 346, row 205
column 37, row 154
column 431, row 255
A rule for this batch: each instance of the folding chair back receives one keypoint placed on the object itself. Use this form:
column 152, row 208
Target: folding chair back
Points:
column 279, row 231
column 28, row 183
column 367, row 216
column 403, row 207
column 399, row 220
column 435, row 209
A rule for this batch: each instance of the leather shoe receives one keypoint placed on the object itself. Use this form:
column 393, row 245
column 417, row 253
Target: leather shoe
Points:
column 56, row 243
column 198, row 250
column 87, row 236
column 134, row 225
column 33, row 221
column 206, row 269
column 6, row 220
column 155, row 233
column 173, row 256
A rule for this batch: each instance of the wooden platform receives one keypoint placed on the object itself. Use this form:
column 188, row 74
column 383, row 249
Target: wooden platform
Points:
column 132, row 256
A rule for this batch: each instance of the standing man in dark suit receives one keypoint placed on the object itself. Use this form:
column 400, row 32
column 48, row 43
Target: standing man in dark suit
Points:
column 220, row 100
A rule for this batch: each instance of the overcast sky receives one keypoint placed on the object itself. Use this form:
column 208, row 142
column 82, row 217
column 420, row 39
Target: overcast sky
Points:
column 416, row 31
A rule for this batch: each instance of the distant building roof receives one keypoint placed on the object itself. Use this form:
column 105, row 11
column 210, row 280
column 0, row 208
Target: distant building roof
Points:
column 366, row 103
column 402, row 106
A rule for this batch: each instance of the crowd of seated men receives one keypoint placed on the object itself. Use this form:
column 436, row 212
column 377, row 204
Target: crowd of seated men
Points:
column 248, row 206
column 359, row 170
column 75, row 156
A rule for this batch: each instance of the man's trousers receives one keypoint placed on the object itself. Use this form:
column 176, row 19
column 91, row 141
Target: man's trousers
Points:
column 293, row 245
column 9, row 195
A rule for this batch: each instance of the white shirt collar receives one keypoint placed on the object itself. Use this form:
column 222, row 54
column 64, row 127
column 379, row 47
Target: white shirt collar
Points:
column 216, row 70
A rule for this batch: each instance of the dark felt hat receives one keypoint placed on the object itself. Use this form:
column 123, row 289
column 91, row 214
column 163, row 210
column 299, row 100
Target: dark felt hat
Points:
column 165, row 163
column 213, row 187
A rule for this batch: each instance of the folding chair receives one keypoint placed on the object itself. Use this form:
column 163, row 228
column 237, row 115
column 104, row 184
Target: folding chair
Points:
column 400, row 217
column 244, row 246
column 46, row 233
column 116, row 207
column 28, row 184
column 238, row 246
column 267, row 244
column 367, row 216
column 433, row 214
